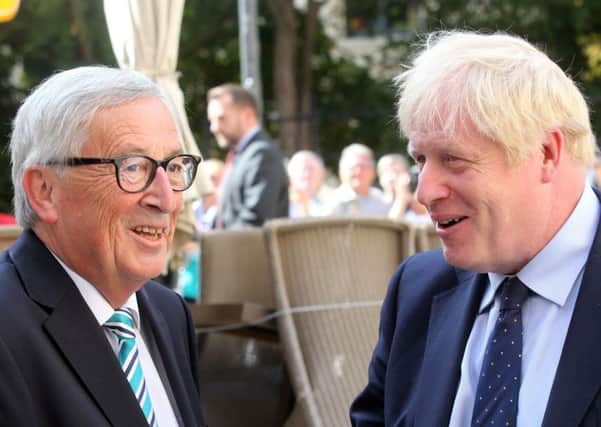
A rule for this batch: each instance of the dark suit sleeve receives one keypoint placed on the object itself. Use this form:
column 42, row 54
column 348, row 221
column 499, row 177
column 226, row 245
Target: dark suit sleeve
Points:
column 263, row 186
column 367, row 410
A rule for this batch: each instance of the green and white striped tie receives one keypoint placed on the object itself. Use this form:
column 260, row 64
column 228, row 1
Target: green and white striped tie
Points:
column 121, row 324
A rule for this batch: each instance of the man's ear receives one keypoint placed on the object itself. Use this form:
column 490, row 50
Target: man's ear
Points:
column 552, row 150
column 250, row 116
column 38, row 184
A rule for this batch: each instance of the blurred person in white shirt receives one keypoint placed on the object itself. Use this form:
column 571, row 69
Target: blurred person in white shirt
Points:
column 356, row 194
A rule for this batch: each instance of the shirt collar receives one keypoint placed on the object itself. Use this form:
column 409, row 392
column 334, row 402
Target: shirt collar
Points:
column 99, row 306
column 552, row 273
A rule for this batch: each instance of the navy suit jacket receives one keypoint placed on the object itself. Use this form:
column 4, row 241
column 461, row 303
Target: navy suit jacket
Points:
column 256, row 188
column 427, row 317
column 58, row 368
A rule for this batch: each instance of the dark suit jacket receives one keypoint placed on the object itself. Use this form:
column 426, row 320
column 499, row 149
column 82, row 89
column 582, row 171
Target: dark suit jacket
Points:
column 58, row 368
column 256, row 188
column 427, row 317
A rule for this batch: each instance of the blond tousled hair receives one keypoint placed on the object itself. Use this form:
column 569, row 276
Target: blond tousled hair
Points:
column 499, row 84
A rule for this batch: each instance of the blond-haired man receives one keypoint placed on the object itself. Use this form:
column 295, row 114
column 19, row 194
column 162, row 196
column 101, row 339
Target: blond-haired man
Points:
column 500, row 326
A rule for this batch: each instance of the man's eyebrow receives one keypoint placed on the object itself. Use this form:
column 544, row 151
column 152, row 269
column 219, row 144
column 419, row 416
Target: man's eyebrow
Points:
column 175, row 152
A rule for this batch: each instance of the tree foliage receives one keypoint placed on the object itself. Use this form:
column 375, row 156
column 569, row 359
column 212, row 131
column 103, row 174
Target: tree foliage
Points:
column 45, row 36
column 347, row 105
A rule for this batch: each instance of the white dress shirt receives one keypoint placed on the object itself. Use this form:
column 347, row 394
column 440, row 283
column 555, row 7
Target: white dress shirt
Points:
column 554, row 276
column 344, row 201
column 102, row 310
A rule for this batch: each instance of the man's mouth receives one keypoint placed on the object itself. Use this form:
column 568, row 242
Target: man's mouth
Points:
column 150, row 233
column 447, row 223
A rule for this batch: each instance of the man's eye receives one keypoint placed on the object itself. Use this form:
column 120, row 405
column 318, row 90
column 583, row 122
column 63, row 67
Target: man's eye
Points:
column 174, row 168
column 134, row 166
column 449, row 159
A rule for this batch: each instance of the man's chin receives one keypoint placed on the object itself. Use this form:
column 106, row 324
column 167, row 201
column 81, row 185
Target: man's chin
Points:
column 150, row 268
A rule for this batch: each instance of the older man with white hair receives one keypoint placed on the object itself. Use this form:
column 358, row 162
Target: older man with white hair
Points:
column 356, row 194
column 87, row 338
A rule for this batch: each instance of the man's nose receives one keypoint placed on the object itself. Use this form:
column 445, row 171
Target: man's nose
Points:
column 431, row 185
column 161, row 194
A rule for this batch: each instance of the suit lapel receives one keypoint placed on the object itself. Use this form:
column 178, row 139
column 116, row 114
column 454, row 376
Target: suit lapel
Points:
column 451, row 320
column 578, row 377
column 83, row 343
column 75, row 332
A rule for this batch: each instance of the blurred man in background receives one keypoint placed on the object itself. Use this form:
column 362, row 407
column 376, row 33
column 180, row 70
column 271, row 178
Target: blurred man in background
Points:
column 356, row 194
column 255, row 183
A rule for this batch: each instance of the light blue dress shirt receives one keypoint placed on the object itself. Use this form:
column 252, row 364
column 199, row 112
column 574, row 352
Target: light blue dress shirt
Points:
column 554, row 276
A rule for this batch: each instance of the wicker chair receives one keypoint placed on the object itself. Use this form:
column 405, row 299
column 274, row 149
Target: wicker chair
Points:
column 330, row 276
column 235, row 268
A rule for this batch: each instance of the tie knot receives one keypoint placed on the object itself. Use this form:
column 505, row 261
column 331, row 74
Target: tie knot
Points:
column 121, row 323
column 513, row 293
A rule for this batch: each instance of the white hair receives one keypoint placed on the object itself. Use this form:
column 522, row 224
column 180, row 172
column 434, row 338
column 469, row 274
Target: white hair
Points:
column 298, row 157
column 54, row 120
column 351, row 150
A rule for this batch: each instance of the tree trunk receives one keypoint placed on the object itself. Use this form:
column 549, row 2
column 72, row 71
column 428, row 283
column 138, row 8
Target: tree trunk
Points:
column 78, row 30
column 306, row 92
column 285, row 73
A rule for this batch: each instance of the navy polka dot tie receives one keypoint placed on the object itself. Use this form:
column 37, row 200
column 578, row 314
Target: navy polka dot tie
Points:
column 499, row 383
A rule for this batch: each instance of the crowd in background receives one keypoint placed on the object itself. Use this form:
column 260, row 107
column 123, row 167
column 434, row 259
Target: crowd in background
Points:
column 362, row 187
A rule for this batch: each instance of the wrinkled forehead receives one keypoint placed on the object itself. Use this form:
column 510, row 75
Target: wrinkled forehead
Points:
column 462, row 134
column 421, row 139
column 144, row 126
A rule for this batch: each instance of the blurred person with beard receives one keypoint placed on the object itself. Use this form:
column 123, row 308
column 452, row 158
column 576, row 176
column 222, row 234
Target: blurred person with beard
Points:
column 255, row 183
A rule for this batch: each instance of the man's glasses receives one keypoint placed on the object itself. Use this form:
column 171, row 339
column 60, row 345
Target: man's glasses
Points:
column 135, row 173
